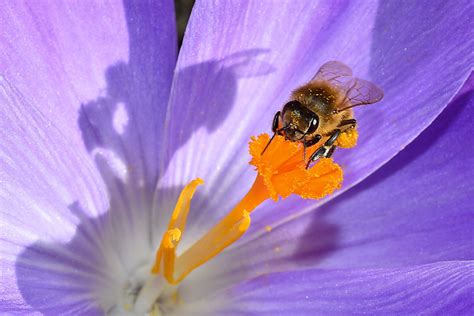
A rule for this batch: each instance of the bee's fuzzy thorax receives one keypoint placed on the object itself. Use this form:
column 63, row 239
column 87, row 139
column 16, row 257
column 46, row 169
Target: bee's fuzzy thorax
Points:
column 322, row 98
column 319, row 96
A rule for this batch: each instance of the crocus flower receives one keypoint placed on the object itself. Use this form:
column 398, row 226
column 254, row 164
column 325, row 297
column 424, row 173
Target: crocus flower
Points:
column 101, row 129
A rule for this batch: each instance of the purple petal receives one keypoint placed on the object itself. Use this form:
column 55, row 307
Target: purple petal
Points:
column 58, row 242
column 42, row 178
column 443, row 288
column 417, row 209
column 238, row 66
column 82, row 62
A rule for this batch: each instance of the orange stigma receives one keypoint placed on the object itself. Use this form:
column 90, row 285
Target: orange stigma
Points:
column 281, row 172
column 284, row 172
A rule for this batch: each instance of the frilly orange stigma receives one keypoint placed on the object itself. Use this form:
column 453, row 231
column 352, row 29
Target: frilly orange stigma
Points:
column 284, row 171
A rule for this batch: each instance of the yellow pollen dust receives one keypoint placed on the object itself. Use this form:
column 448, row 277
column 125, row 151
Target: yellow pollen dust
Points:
column 281, row 172
column 347, row 139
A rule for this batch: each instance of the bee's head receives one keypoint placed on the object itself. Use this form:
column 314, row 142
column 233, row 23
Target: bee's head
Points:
column 298, row 121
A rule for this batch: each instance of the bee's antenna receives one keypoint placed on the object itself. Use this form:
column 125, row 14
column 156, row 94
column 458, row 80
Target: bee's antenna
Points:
column 268, row 144
column 271, row 139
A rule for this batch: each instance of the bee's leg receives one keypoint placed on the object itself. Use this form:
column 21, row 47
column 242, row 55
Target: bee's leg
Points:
column 315, row 156
column 313, row 141
column 275, row 129
column 335, row 134
column 348, row 122
column 330, row 152
column 310, row 143
column 326, row 150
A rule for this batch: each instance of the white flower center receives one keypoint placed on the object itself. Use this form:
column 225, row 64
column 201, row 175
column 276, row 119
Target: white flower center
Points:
column 144, row 294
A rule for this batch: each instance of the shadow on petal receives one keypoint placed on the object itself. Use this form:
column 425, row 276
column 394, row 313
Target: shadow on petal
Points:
column 55, row 278
column 126, row 122
column 319, row 240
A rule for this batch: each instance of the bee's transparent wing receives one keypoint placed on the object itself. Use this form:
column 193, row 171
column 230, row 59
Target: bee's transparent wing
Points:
column 333, row 72
column 359, row 92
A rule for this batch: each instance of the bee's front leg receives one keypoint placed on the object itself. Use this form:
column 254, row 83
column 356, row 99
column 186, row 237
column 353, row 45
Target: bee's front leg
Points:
column 327, row 149
column 310, row 143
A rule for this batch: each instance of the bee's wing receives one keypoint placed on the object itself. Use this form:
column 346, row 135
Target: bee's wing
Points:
column 359, row 92
column 333, row 71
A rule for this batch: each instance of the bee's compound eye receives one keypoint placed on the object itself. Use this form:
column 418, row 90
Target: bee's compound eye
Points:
column 292, row 106
column 313, row 124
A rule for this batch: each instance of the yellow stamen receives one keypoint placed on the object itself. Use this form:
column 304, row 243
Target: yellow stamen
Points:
column 166, row 254
column 281, row 172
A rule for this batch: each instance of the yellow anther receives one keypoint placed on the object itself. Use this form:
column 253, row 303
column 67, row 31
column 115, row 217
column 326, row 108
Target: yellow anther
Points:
column 171, row 237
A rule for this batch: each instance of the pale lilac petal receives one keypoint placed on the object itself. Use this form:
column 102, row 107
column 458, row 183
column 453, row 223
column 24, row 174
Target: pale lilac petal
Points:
column 80, row 62
column 238, row 66
column 83, row 90
column 417, row 209
column 443, row 288
column 43, row 177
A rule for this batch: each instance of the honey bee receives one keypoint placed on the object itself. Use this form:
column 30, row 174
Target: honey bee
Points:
column 323, row 108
